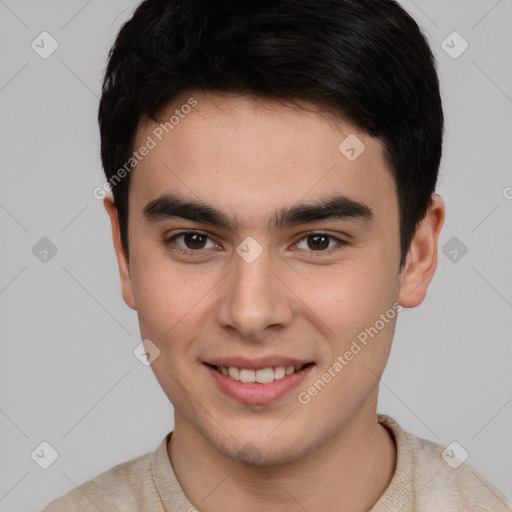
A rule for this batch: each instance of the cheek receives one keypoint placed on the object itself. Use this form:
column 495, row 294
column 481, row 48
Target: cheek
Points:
column 357, row 306
column 168, row 298
column 349, row 297
column 171, row 304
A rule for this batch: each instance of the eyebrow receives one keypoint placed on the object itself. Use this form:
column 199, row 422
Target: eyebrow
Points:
column 338, row 207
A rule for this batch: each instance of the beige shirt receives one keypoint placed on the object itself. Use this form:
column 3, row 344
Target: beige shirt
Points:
column 422, row 482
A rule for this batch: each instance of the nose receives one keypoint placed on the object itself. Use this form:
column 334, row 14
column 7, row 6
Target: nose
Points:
column 254, row 299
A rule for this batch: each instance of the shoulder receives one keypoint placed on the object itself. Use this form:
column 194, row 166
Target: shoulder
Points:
column 440, row 481
column 450, row 482
column 124, row 487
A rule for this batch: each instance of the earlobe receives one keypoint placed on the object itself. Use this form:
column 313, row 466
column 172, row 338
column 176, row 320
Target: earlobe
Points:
column 122, row 260
column 421, row 260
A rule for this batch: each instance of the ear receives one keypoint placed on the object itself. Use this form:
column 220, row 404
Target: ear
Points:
column 122, row 260
column 421, row 259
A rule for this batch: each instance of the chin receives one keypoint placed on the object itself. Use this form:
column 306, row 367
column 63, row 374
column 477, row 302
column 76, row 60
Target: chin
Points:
column 260, row 449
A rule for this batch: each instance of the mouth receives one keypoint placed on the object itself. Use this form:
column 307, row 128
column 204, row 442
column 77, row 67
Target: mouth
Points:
column 261, row 384
column 261, row 376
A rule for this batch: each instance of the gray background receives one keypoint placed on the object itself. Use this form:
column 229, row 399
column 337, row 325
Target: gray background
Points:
column 68, row 375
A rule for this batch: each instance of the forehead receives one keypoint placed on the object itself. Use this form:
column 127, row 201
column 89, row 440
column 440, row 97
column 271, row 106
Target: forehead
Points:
column 248, row 156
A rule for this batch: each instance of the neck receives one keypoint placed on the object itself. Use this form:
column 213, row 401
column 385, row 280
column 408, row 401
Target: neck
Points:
column 348, row 472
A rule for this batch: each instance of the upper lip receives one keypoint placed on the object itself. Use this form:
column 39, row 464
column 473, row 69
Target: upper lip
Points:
column 257, row 363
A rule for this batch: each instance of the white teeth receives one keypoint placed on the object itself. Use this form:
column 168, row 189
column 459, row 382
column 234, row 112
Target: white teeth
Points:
column 263, row 376
column 234, row 373
column 247, row 375
column 279, row 372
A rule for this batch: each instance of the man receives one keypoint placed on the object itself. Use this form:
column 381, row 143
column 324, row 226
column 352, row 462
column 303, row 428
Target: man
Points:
column 273, row 167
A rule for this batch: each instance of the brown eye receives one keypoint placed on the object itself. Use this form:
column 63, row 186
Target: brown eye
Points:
column 189, row 242
column 320, row 243
column 316, row 242
column 194, row 240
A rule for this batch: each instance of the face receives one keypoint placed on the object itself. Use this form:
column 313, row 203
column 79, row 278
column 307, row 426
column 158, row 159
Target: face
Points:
column 258, row 246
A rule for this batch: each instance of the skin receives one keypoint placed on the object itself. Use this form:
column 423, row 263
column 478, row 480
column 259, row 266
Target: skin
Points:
column 249, row 157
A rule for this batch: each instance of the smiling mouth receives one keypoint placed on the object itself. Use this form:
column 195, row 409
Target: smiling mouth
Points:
column 262, row 376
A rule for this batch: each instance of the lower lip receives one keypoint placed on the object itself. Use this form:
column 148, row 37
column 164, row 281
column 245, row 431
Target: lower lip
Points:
column 255, row 393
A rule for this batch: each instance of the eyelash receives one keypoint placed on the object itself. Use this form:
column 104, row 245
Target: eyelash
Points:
column 197, row 252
